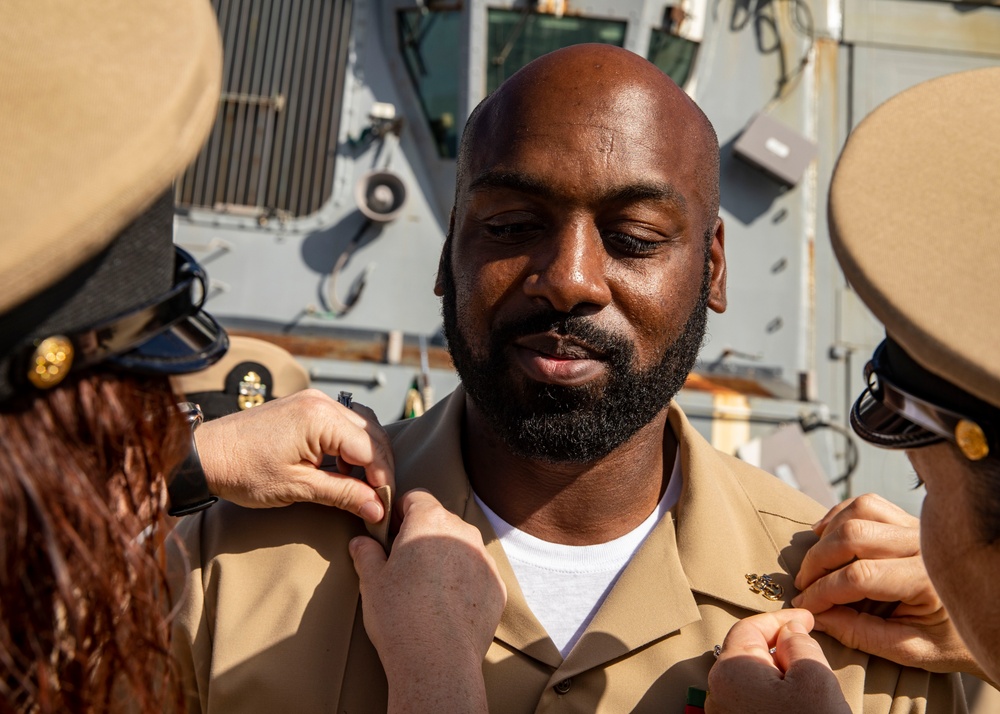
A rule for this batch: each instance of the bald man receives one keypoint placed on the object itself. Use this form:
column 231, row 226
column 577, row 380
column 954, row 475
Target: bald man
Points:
column 584, row 251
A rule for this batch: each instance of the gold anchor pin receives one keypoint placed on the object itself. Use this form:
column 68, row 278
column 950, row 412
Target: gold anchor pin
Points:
column 764, row 586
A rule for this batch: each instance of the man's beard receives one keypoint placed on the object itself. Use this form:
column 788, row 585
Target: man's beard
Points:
column 570, row 424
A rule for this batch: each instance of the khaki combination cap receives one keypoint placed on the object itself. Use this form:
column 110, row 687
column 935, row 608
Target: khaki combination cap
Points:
column 103, row 103
column 252, row 372
column 915, row 223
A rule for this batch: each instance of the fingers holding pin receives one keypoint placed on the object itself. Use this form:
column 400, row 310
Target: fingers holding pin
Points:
column 717, row 650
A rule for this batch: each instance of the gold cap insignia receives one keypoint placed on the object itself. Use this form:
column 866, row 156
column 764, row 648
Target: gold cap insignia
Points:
column 50, row 362
column 971, row 440
column 252, row 391
column 765, row 586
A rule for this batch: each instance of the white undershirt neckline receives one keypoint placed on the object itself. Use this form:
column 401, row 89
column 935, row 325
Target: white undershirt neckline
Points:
column 564, row 585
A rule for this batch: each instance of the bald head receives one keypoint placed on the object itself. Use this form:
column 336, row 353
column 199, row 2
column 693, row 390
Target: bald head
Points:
column 595, row 85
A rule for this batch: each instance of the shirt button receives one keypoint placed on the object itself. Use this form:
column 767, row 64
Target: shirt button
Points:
column 563, row 686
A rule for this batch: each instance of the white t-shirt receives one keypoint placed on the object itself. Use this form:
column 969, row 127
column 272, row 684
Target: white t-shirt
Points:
column 564, row 585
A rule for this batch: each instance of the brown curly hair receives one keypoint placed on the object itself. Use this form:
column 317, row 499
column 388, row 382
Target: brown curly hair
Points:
column 84, row 622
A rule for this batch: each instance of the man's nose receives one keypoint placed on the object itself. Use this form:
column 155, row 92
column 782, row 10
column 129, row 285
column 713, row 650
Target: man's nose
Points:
column 569, row 270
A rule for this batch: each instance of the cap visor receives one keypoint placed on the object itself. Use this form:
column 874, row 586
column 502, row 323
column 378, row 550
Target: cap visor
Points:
column 191, row 344
column 878, row 424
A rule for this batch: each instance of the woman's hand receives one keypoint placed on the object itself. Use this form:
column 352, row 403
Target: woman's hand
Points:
column 869, row 549
column 769, row 663
column 270, row 455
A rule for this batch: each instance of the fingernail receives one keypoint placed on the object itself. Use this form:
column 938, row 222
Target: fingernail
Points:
column 371, row 512
column 797, row 627
column 353, row 545
column 816, row 524
column 797, row 601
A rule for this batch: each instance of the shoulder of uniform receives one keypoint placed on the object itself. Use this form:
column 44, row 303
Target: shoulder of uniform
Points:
column 772, row 495
column 306, row 530
column 397, row 428
column 784, row 511
column 766, row 492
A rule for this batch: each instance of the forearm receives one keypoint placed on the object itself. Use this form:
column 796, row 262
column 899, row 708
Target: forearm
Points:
column 431, row 608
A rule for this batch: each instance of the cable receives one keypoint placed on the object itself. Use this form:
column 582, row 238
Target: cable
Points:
column 805, row 27
column 333, row 304
column 809, row 424
column 526, row 13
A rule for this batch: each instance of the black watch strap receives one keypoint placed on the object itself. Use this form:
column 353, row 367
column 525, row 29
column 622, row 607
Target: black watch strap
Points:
column 188, row 490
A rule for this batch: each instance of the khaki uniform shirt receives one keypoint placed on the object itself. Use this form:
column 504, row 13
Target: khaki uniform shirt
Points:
column 270, row 618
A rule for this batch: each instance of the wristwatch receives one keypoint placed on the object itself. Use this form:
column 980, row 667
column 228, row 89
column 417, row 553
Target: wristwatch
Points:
column 188, row 489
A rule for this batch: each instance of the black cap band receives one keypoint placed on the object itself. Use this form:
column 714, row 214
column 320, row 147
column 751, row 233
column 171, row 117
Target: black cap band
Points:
column 134, row 307
column 904, row 371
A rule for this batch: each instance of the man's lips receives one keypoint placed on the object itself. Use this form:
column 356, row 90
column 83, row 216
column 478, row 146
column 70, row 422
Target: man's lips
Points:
column 557, row 359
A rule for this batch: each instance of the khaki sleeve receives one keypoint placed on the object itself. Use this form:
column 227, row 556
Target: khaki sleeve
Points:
column 191, row 636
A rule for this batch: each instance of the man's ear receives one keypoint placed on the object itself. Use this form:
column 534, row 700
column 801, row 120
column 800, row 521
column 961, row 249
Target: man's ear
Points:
column 717, row 257
column 445, row 255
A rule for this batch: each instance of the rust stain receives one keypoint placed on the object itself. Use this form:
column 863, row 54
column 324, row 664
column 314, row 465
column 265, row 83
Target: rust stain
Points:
column 350, row 350
column 827, row 54
column 558, row 8
column 726, row 384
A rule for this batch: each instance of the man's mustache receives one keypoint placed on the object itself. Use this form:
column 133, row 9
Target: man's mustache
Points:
column 580, row 329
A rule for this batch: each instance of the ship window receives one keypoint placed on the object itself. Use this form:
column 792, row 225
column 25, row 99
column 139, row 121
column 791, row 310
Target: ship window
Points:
column 428, row 39
column 673, row 54
column 516, row 37
column 272, row 150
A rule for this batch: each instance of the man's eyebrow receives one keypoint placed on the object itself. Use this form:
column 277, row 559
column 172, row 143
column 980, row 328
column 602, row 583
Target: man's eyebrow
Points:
column 630, row 193
column 510, row 180
column 652, row 191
